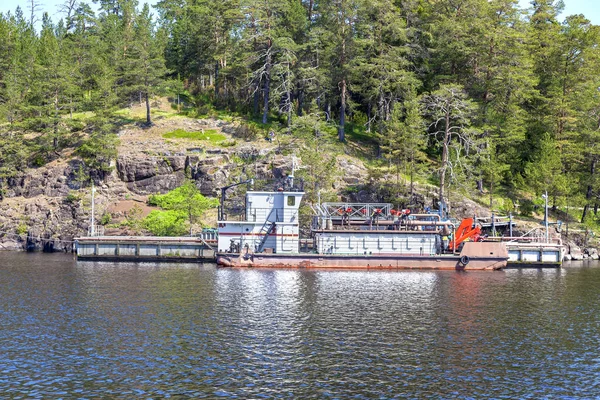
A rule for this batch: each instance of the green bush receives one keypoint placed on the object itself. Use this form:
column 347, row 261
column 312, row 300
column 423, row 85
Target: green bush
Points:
column 21, row 229
column 227, row 143
column 526, row 208
column 73, row 197
column 165, row 223
column 105, row 219
column 182, row 207
column 98, row 151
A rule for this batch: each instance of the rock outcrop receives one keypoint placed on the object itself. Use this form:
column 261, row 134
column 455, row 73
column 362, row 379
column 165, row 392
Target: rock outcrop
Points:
column 45, row 208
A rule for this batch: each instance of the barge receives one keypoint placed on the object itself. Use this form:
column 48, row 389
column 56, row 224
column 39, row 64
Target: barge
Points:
column 355, row 236
column 146, row 248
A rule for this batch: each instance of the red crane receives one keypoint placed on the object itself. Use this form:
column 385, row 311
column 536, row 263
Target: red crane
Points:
column 466, row 230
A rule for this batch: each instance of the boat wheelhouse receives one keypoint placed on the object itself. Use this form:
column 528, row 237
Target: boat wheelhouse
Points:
column 270, row 224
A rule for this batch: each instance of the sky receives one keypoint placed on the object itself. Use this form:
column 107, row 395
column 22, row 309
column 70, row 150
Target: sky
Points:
column 585, row 7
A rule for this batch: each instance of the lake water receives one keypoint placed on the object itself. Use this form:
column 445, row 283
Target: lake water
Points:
column 91, row 329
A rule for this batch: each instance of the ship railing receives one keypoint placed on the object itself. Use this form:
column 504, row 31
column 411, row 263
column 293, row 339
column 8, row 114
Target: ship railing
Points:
column 271, row 214
column 355, row 210
column 529, row 239
column 211, row 235
column 96, row 230
column 534, row 236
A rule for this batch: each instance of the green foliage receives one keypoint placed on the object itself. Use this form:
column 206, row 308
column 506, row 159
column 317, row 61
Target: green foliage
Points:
column 105, row 219
column 133, row 219
column 184, row 204
column 544, row 172
column 22, row 229
column 526, row 79
column 165, row 223
column 318, row 156
column 73, row 197
column 209, row 135
column 98, row 151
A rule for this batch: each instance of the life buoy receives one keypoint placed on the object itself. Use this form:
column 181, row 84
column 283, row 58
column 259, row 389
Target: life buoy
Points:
column 464, row 260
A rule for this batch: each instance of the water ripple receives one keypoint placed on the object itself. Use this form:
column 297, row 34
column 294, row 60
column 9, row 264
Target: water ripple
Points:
column 91, row 330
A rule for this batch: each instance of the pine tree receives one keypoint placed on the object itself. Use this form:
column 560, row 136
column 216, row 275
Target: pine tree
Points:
column 404, row 140
column 145, row 62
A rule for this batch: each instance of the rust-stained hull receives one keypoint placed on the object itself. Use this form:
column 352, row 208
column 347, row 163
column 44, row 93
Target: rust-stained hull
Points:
column 489, row 256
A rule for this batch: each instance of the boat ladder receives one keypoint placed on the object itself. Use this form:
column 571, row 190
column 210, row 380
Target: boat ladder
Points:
column 265, row 231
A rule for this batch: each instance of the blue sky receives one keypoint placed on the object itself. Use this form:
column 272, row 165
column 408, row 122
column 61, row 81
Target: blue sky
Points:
column 585, row 7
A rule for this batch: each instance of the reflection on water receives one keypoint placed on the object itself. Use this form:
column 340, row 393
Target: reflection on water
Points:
column 193, row 331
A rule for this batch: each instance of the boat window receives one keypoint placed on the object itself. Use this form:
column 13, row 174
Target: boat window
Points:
column 291, row 201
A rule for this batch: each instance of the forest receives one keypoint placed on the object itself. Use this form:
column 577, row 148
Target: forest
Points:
column 475, row 95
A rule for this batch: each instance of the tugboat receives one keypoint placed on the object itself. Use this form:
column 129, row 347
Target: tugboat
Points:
column 348, row 235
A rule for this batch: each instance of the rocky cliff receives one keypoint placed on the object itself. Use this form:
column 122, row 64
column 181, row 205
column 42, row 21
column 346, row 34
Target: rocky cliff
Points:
column 49, row 206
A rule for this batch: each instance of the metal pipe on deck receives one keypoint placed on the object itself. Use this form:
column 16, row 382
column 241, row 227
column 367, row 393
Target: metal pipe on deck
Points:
column 407, row 222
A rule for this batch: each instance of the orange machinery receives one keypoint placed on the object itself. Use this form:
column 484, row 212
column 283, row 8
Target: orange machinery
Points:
column 467, row 230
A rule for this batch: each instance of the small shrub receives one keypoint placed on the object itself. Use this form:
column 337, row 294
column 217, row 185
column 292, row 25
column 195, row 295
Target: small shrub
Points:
column 165, row 223
column 133, row 219
column 227, row 143
column 105, row 219
column 526, row 208
column 21, row 229
column 73, row 197
column 38, row 161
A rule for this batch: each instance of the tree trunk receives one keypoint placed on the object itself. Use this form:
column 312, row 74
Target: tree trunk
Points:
column 445, row 150
column 256, row 99
column 412, row 181
column 480, row 185
column 491, row 194
column 300, row 102
column 56, row 119
column 216, row 80
column 380, row 120
column 341, row 133
column 590, row 190
column 267, row 86
column 148, row 119
column 369, row 109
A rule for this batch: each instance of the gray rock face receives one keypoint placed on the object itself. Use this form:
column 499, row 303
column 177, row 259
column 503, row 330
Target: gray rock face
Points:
column 591, row 253
column 147, row 175
column 47, row 181
column 351, row 172
column 575, row 251
column 210, row 173
column 160, row 174
column 42, row 223
column 11, row 244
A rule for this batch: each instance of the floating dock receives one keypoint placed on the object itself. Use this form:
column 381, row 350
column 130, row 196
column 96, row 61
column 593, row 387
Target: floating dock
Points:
column 145, row 248
column 532, row 252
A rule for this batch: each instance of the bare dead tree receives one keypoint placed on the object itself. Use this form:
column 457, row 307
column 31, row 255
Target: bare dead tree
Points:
column 68, row 8
column 450, row 111
column 34, row 6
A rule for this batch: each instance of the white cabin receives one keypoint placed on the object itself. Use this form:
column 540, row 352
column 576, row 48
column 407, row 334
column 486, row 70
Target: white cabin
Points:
column 271, row 224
